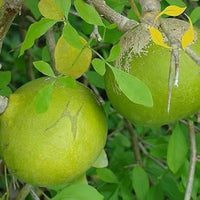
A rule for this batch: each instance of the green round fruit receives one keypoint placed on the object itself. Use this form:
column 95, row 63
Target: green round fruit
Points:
column 58, row 145
column 150, row 63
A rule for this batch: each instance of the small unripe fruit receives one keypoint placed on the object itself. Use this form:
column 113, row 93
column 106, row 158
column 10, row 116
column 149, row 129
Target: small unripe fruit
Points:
column 150, row 63
column 58, row 145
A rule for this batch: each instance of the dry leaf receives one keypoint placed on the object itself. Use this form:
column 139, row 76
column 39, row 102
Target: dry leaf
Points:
column 157, row 37
column 171, row 11
column 188, row 36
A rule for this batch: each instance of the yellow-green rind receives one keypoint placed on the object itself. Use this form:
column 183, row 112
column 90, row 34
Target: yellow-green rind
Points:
column 52, row 148
column 152, row 68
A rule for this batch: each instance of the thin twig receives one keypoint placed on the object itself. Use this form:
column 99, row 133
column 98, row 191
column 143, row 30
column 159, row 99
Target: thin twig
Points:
column 34, row 195
column 135, row 142
column 24, row 192
column 95, row 34
column 193, row 55
column 191, row 174
column 144, row 151
column 51, row 43
column 135, row 9
column 112, row 16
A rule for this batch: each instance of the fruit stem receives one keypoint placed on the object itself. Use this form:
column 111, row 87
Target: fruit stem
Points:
column 176, row 57
column 170, row 81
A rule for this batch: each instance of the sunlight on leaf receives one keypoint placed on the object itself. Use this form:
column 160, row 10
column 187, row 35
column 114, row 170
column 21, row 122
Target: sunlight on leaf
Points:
column 157, row 37
column 43, row 99
column 188, row 36
column 64, row 6
column 140, row 182
column 49, row 9
column 134, row 89
column 99, row 66
column 102, row 160
column 177, row 149
column 71, row 36
column 88, row 13
column 44, row 68
column 114, row 53
column 78, row 192
column 36, row 30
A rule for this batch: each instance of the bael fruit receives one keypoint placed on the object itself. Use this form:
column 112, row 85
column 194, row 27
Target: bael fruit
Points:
column 150, row 63
column 58, row 145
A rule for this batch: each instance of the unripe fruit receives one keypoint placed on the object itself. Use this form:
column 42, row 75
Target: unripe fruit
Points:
column 58, row 145
column 150, row 63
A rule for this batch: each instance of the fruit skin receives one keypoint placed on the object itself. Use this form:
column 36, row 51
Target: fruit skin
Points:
column 57, row 146
column 152, row 68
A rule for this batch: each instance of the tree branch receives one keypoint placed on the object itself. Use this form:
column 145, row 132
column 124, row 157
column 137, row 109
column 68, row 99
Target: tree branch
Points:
column 193, row 157
column 150, row 8
column 135, row 143
column 8, row 11
column 51, row 43
column 112, row 16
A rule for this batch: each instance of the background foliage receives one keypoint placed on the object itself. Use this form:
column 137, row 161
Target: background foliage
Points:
column 160, row 170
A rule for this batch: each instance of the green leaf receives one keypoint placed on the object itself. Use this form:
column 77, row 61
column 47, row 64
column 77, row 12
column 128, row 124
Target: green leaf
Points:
column 88, row 13
column 67, row 81
column 177, row 149
column 78, row 192
column 64, row 6
column 102, row 160
column 43, row 99
column 95, row 79
column 33, row 6
column 195, row 15
column 71, row 36
column 99, row 66
column 107, row 175
column 177, row 3
column 36, row 30
column 170, row 187
column 5, row 78
column 44, row 68
column 140, row 183
column 6, row 91
column 135, row 90
column 155, row 193
column 114, row 53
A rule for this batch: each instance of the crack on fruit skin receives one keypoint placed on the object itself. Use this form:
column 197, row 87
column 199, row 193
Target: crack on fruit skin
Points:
column 73, row 119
